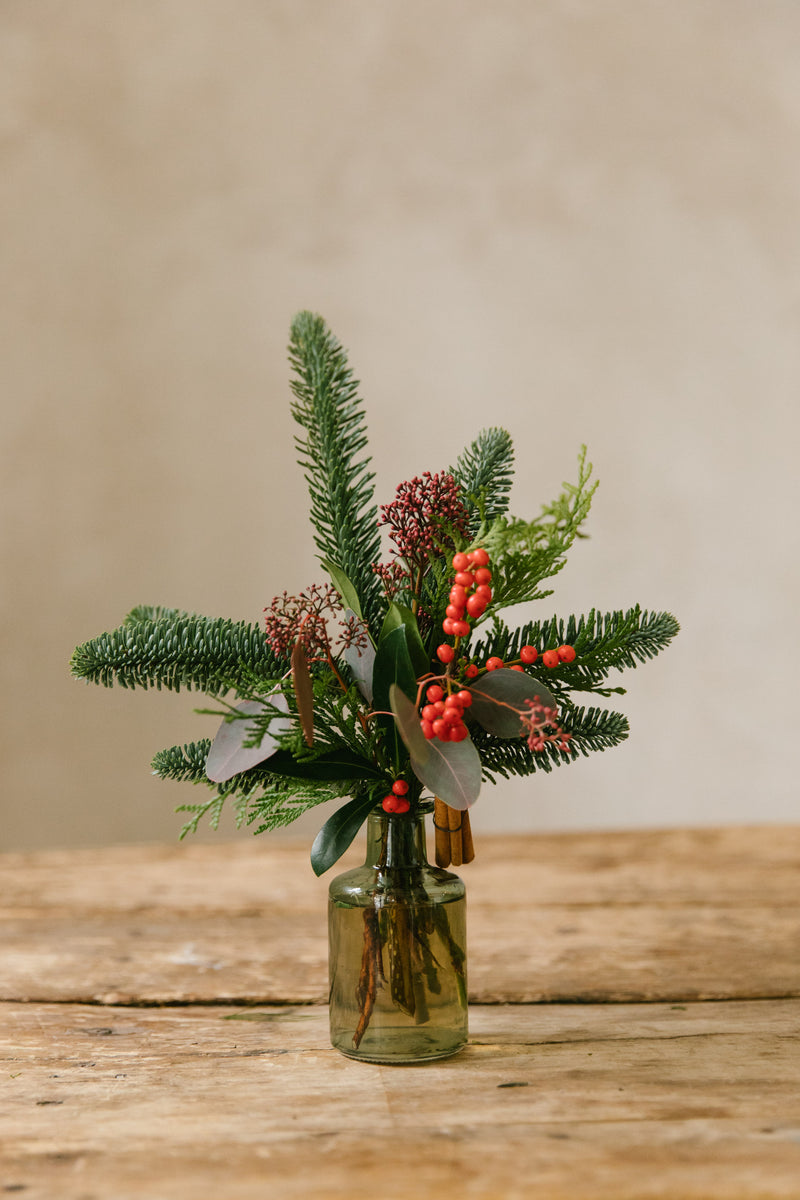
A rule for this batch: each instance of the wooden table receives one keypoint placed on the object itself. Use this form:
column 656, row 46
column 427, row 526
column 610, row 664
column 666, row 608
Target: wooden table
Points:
column 634, row 1028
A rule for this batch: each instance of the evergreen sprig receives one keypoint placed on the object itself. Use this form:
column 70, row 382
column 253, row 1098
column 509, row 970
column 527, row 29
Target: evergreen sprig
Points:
column 176, row 650
column 340, row 486
column 256, row 794
column 590, row 729
column 524, row 553
column 602, row 642
column 485, row 472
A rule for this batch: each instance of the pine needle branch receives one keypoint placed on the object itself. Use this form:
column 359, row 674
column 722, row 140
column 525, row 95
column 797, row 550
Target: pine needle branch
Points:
column 330, row 412
column 176, row 650
column 591, row 729
column 603, row 642
column 485, row 471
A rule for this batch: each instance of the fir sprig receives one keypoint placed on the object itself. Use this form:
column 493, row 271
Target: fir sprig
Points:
column 176, row 650
column 328, row 408
column 484, row 472
column 602, row 642
column 590, row 729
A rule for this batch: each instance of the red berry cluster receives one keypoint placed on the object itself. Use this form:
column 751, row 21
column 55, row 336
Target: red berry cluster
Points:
column 443, row 716
column 469, row 597
column 529, row 654
column 397, row 800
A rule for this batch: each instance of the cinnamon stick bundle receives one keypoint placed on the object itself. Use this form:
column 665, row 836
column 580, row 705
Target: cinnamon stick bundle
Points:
column 453, row 835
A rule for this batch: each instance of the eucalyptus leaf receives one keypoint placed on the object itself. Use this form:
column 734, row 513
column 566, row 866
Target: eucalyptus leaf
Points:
column 407, row 721
column 499, row 697
column 229, row 755
column 361, row 661
column 451, row 771
column 338, row 832
column 344, row 587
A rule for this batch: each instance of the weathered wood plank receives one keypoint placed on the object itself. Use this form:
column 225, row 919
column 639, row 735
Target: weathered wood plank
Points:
column 681, row 914
column 693, row 1102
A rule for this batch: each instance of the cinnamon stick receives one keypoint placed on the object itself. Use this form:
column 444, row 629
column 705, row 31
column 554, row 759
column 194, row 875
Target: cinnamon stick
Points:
column 453, row 835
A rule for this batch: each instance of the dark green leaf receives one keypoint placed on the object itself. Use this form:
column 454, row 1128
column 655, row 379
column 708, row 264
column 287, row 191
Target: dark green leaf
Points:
column 393, row 665
column 332, row 765
column 399, row 616
column 338, row 832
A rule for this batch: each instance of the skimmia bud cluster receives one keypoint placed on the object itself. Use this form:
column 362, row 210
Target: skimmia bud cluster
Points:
column 540, row 725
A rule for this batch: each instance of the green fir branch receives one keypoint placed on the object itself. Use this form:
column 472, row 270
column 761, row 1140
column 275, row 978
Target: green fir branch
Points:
column 602, row 641
column 590, row 729
column 485, row 471
column 330, row 412
column 175, row 651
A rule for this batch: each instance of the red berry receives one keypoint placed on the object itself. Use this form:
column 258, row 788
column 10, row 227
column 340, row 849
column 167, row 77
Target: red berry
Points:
column 566, row 654
column 465, row 579
column 429, row 713
column 479, row 558
column 550, row 658
column 434, row 693
column 471, row 671
column 438, row 708
column 439, row 727
column 476, row 606
column 458, row 733
column 427, row 729
column 465, row 697
column 516, row 667
column 447, row 626
column 529, row 654
column 493, row 663
column 446, row 653
column 454, row 612
column 483, row 576
column 460, row 562
column 484, row 591
column 453, row 701
column 452, row 716
column 401, row 805
column 458, row 595
column 388, row 804
column 400, row 787
column 460, row 629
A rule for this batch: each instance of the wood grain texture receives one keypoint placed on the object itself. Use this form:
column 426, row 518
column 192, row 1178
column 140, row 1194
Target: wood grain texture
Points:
column 622, row 1102
column 640, row 916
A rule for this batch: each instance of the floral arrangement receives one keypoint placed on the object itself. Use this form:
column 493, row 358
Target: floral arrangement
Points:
column 397, row 680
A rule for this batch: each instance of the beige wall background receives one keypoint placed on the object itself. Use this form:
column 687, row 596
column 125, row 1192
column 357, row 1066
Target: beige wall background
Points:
column 578, row 220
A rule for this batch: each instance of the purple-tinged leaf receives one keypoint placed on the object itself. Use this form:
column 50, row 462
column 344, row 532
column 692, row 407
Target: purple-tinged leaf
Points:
column 407, row 720
column 303, row 690
column 499, row 697
column 229, row 756
column 450, row 770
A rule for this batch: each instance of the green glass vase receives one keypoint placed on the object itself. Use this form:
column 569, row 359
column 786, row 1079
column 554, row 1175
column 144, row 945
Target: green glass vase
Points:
column 397, row 949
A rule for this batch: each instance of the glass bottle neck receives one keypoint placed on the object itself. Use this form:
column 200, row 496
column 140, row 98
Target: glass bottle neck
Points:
column 396, row 840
